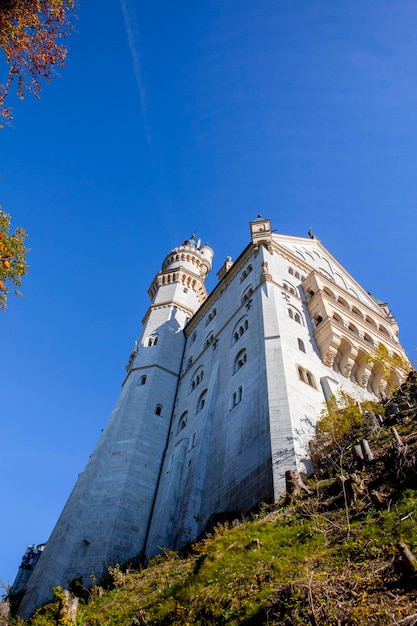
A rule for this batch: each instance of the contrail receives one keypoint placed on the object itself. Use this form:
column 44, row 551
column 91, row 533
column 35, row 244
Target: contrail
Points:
column 133, row 37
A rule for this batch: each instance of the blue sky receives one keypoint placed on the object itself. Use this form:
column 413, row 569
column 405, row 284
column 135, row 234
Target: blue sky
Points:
column 174, row 117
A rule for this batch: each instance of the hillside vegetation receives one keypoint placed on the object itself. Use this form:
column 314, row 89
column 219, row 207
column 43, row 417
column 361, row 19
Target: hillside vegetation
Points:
column 338, row 550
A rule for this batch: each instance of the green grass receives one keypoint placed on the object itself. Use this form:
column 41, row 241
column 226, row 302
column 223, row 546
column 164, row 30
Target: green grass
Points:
column 308, row 561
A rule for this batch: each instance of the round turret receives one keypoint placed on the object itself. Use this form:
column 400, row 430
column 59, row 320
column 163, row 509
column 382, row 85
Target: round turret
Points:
column 190, row 256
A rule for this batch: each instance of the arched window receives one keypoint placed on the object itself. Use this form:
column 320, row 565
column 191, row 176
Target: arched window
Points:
column 236, row 397
column 142, row 380
column 196, row 378
column 356, row 311
column 240, row 328
column 343, row 302
column 301, row 374
column 337, row 317
column 329, row 293
column 368, row 338
column 301, row 345
column 158, row 409
column 353, row 328
column 246, row 273
column 383, row 330
column 369, row 320
column 240, row 360
column 289, row 287
column 247, row 294
column 310, row 379
column 295, row 315
column 209, row 340
column 153, row 340
column 306, row 377
column 182, row 422
column 201, row 401
column 211, row 316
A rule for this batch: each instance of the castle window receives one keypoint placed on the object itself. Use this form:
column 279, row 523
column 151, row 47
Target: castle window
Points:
column 209, row 340
column 183, row 422
column 201, row 401
column 142, row 380
column 236, row 397
column 246, row 273
column 310, row 379
column 196, row 379
column 294, row 315
column 211, row 316
column 306, row 377
column 301, row 345
column 301, row 374
column 240, row 328
column 240, row 360
column 288, row 287
column 153, row 340
column 158, row 409
column 318, row 319
column 247, row 294
column 329, row 293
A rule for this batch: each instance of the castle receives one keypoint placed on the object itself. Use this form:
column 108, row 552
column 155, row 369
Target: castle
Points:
column 221, row 397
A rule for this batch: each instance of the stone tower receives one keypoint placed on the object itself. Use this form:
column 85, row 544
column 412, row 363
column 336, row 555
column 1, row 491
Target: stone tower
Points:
column 107, row 515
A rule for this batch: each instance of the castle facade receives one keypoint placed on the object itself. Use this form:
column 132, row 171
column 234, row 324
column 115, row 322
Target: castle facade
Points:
column 221, row 397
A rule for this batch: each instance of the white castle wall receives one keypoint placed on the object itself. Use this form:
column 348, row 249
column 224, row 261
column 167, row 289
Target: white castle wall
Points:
column 211, row 417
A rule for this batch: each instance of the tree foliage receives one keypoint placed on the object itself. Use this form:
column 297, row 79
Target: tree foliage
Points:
column 342, row 422
column 31, row 38
column 12, row 258
column 388, row 361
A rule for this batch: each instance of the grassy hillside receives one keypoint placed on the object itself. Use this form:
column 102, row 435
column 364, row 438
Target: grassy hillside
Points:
column 335, row 556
